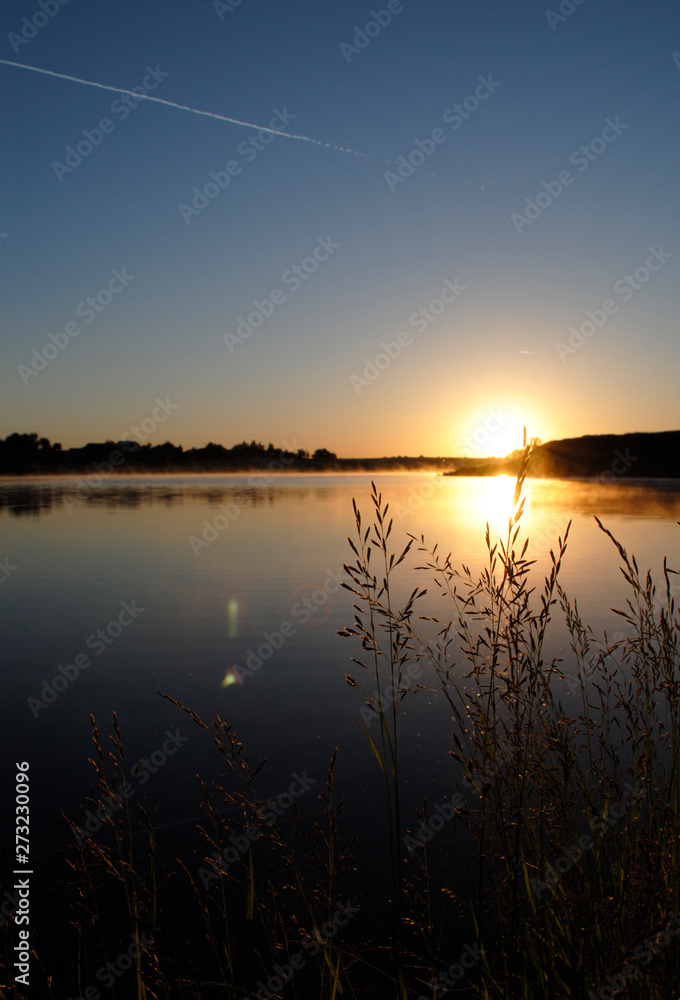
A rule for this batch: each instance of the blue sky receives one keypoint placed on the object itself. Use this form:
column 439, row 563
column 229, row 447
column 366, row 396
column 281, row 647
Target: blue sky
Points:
column 325, row 367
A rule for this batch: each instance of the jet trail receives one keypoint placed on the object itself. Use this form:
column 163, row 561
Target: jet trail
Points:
column 183, row 107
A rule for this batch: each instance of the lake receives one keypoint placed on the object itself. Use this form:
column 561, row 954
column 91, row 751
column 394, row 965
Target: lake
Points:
column 138, row 585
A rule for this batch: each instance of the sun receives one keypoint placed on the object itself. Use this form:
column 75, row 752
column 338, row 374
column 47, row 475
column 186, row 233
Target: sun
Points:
column 496, row 431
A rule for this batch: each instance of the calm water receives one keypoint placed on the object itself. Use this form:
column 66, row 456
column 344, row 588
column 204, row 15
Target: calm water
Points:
column 266, row 579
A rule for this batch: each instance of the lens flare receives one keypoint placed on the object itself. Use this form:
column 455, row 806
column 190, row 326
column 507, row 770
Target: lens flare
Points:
column 233, row 615
column 231, row 676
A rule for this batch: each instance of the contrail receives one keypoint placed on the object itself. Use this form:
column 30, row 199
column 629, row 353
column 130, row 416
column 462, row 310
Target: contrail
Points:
column 183, row 107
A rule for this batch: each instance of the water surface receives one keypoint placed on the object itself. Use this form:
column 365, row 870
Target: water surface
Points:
column 213, row 572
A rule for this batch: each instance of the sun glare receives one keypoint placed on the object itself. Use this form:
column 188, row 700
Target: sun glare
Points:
column 507, row 439
column 495, row 498
column 496, row 431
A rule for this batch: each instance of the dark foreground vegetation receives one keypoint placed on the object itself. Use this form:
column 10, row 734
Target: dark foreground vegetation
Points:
column 549, row 872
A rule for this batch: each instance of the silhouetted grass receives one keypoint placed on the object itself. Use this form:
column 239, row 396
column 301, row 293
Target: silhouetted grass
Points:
column 574, row 828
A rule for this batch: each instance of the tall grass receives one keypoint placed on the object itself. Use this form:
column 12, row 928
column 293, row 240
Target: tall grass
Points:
column 556, row 875
column 574, row 828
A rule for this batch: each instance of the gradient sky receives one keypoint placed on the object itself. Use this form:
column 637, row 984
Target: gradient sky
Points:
column 469, row 380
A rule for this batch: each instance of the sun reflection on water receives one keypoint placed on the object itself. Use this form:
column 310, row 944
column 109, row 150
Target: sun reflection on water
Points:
column 492, row 502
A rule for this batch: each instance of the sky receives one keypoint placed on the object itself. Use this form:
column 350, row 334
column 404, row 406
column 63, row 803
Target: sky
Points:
column 482, row 235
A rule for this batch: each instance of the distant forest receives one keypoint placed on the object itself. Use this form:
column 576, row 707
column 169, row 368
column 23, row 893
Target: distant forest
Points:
column 29, row 454
column 605, row 457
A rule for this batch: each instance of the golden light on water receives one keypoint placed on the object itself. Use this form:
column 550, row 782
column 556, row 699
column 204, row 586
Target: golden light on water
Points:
column 491, row 501
column 495, row 500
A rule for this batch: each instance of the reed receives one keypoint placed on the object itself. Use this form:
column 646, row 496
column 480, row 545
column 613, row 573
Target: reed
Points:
column 574, row 828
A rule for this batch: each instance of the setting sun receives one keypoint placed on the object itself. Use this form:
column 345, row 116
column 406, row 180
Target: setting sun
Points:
column 496, row 431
